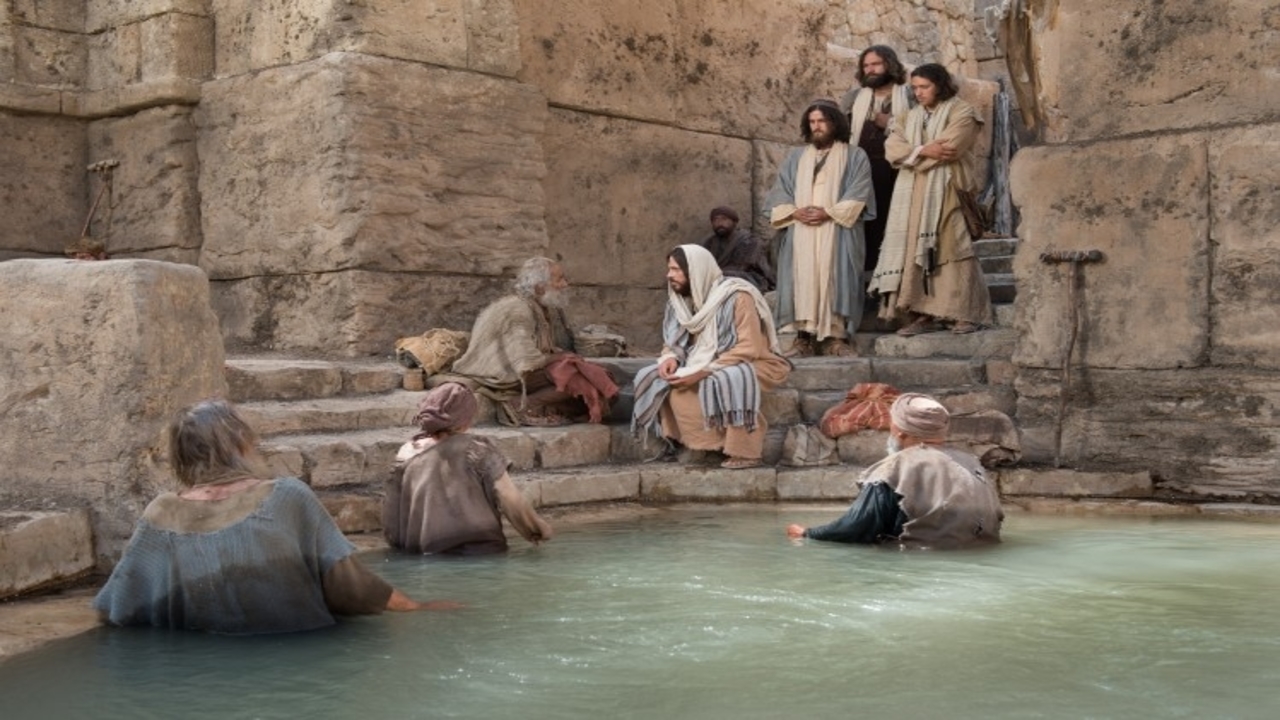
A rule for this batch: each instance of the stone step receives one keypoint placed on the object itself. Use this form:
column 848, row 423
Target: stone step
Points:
column 996, row 264
column 43, row 550
column 994, row 247
column 1002, row 288
column 258, row 378
column 393, row 409
column 998, row 342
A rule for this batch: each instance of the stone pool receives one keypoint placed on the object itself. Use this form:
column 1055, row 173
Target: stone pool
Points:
column 698, row 612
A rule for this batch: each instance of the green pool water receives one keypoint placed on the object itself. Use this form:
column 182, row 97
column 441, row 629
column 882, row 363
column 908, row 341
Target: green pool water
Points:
column 714, row 613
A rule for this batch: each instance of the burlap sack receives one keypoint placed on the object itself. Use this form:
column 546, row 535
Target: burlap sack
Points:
column 806, row 446
column 434, row 351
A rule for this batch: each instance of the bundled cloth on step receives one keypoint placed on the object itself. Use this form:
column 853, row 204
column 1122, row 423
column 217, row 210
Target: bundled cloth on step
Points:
column 584, row 380
column 865, row 407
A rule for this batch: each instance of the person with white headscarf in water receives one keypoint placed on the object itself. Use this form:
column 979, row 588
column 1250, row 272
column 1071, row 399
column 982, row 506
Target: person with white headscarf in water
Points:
column 923, row 494
column 720, row 352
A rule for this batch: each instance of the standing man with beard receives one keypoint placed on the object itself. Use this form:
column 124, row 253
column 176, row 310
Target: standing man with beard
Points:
column 737, row 251
column 720, row 352
column 881, row 93
column 521, row 355
column 822, row 197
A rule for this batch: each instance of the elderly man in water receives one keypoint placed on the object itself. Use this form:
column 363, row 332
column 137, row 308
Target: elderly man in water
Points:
column 923, row 494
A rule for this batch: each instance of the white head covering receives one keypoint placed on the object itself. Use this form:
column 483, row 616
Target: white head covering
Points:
column 708, row 289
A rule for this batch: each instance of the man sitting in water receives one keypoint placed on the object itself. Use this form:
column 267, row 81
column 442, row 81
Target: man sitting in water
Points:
column 922, row 494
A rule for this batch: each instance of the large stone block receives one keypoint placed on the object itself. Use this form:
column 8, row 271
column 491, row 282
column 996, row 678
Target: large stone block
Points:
column 89, row 379
column 1145, row 205
column 44, row 183
column 1070, row 483
column 68, row 15
column 54, row 58
column 1164, row 48
column 671, row 181
column 350, row 313
column 41, row 549
column 591, row 485
column 1216, row 429
column 666, row 482
column 155, row 202
column 1246, row 231
column 473, row 34
column 825, row 483
column 352, row 161
column 633, row 312
column 156, row 48
column 743, row 68
column 102, row 14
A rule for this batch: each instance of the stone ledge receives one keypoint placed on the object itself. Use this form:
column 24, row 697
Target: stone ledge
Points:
column 42, row 549
column 1075, row 484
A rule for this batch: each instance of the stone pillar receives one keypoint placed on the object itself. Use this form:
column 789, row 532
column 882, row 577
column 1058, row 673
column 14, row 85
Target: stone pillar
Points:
column 95, row 359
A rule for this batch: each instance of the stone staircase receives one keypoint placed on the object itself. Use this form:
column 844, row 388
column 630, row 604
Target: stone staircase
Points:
column 337, row 425
column 996, row 257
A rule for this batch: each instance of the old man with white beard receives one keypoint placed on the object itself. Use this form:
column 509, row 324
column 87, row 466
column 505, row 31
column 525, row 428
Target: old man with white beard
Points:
column 720, row 352
column 923, row 494
column 521, row 354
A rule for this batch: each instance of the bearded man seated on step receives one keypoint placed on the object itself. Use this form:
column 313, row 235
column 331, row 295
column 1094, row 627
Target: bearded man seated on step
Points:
column 923, row 494
column 521, row 355
column 720, row 352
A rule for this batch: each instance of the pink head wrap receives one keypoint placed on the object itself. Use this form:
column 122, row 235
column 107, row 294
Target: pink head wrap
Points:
column 450, row 406
column 920, row 416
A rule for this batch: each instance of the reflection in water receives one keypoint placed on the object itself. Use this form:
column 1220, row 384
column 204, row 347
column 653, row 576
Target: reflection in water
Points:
column 698, row 614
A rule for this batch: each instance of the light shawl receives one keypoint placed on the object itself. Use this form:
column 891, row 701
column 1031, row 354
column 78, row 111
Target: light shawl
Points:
column 920, row 128
column 695, row 332
column 862, row 107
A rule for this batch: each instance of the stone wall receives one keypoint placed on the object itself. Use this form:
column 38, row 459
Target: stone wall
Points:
column 90, row 378
column 1169, row 171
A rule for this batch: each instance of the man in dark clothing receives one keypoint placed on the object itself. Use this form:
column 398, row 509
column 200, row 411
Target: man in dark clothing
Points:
column 881, row 93
column 923, row 494
column 737, row 252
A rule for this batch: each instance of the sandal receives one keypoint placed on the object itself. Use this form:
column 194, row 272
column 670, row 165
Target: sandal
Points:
column 964, row 327
column 736, row 463
column 919, row 327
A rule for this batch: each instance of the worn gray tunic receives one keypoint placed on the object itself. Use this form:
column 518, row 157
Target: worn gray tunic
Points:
column 262, row 561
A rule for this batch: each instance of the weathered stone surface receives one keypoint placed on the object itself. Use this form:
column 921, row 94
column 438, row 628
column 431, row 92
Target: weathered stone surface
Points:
column 927, row 374
column 44, row 158
column 825, row 483
column 159, row 47
column 337, row 414
column 988, row 435
column 114, row 360
column 633, row 312
column 571, row 445
column 284, row 460
column 742, row 69
column 1061, row 506
column 155, row 201
column 982, row 344
column 1245, row 312
column 358, row 379
column 813, row 405
column 602, row 484
column 53, row 58
column 640, row 214
column 666, row 482
column 475, row 34
column 250, row 378
column 829, row 373
column 519, row 447
column 40, row 549
column 1212, row 428
column 863, row 448
column 66, row 15
column 1069, row 483
column 351, row 313
column 403, row 183
column 1145, row 305
column 781, row 407
column 1165, row 48
column 102, row 14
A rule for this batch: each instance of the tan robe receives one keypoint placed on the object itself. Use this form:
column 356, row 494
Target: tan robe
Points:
column 957, row 289
column 681, row 414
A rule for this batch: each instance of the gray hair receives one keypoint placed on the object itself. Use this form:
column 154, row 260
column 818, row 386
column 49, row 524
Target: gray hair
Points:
column 209, row 441
column 534, row 272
